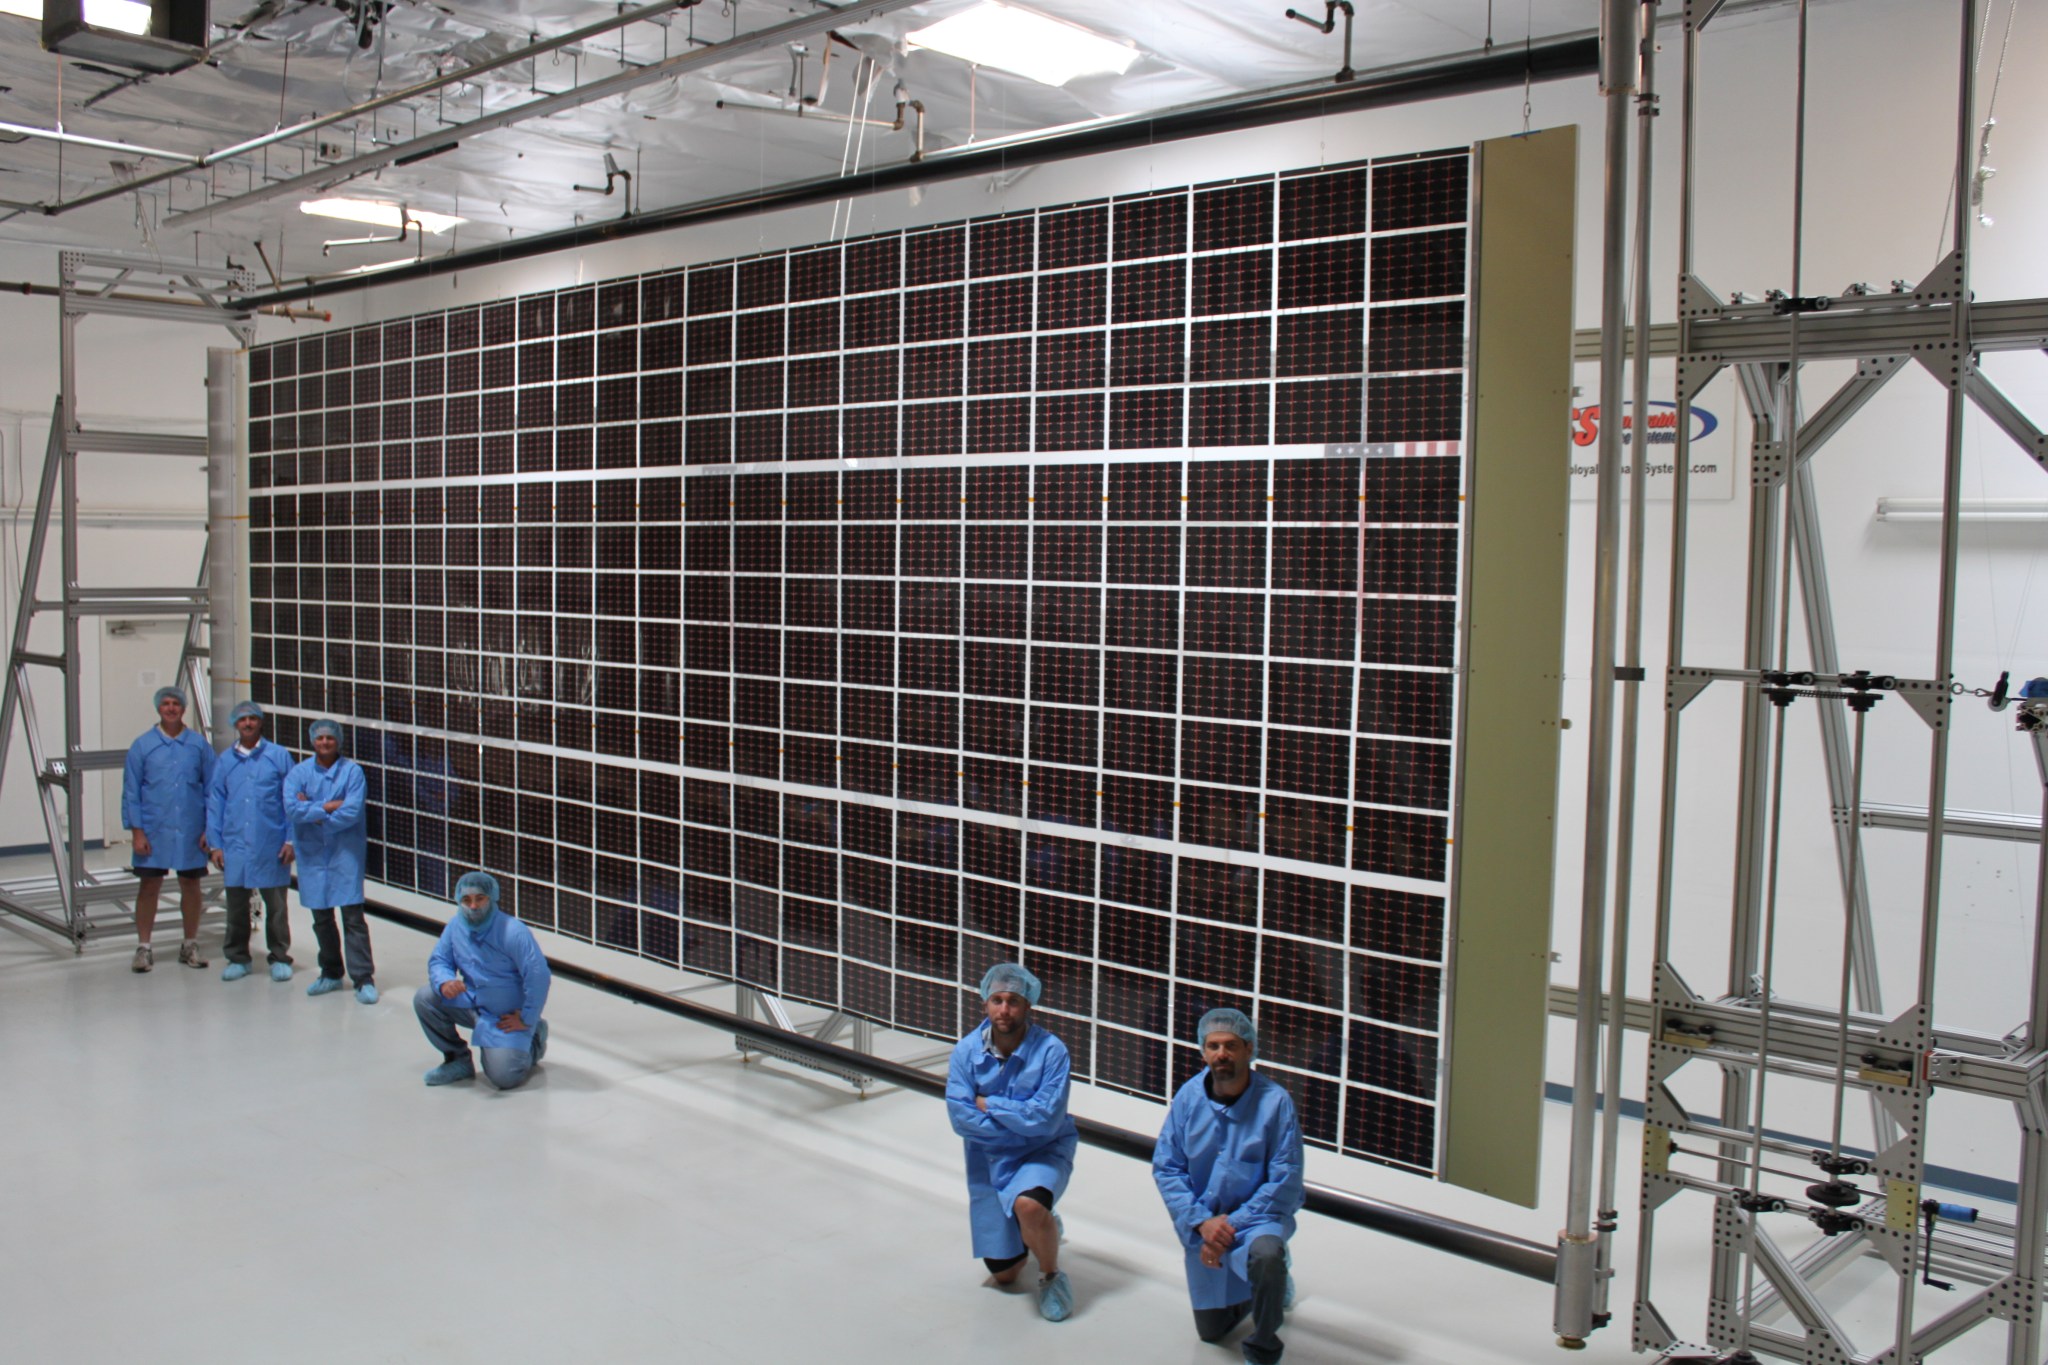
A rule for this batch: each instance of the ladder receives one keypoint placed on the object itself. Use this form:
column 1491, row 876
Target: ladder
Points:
column 93, row 284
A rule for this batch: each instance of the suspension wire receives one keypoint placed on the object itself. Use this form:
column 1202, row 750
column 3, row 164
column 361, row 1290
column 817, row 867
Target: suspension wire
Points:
column 1528, row 60
column 846, row 152
column 1853, row 884
column 1983, row 36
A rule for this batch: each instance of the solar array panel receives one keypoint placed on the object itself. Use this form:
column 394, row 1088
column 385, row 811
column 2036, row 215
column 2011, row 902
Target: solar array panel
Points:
column 1078, row 585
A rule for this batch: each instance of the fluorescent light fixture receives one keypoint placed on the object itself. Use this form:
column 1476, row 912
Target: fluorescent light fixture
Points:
column 1049, row 51
column 378, row 214
column 1985, row 509
column 159, row 36
column 122, row 16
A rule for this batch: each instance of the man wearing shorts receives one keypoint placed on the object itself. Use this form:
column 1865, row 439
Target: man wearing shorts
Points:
column 163, row 806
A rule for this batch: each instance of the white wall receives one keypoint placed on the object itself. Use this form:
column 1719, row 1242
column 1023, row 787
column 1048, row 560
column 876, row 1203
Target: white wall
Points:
column 1880, row 151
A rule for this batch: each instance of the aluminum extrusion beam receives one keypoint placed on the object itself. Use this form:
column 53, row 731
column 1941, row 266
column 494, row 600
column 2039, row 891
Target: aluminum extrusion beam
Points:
column 616, row 84
column 1503, row 1251
column 2005, row 414
column 1555, row 60
column 1976, row 824
column 1856, row 328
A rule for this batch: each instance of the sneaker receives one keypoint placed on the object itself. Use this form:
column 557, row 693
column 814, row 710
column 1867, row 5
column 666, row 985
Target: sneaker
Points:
column 188, row 954
column 144, row 959
column 1055, row 1297
column 234, row 971
column 367, row 994
column 280, row 971
column 454, row 1069
column 540, row 1041
column 324, row 984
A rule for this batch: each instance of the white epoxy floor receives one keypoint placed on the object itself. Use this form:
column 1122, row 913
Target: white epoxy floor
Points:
column 234, row 1172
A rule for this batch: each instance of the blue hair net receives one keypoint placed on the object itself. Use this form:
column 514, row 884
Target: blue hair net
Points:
column 245, row 710
column 323, row 727
column 477, row 881
column 1223, row 1019
column 176, row 694
column 1010, row 976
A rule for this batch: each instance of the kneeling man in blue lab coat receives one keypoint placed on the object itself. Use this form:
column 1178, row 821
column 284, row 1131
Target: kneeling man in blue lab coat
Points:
column 1228, row 1165
column 1006, row 1093
column 489, row 975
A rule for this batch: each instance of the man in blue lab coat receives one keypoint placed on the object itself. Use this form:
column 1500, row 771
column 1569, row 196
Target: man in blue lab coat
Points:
column 163, row 806
column 250, row 841
column 1228, row 1165
column 1006, row 1093
column 486, row 974
column 324, row 798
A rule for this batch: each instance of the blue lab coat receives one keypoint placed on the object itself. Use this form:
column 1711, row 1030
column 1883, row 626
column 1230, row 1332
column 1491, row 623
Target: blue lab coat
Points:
column 1025, row 1140
column 504, row 969
column 330, row 847
column 1242, row 1160
column 245, row 813
column 163, row 794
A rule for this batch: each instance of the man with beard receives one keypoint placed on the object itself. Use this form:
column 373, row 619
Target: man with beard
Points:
column 1006, row 1092
column 1228, row 1165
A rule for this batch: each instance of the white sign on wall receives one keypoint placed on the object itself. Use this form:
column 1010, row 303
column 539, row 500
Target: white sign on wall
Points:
column 1712, row 451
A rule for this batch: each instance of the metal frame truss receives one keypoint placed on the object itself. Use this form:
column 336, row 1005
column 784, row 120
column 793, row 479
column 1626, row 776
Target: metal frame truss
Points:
column 93, row 284
column 1762, row 1299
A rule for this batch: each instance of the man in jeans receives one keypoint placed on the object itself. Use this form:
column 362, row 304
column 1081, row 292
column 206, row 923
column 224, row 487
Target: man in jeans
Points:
column 487, row 974
column 324, row 798
column 1228, row 1165
column 250, row 841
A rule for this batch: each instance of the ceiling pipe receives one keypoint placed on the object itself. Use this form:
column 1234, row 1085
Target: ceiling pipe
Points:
column 1556, row 59
column 15, row 131
column 616, row 84
column 51, row 291
column 427, row 87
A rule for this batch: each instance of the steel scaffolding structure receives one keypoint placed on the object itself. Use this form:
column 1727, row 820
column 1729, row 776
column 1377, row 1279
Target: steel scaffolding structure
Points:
column 95, row 284
column 1766, row 1298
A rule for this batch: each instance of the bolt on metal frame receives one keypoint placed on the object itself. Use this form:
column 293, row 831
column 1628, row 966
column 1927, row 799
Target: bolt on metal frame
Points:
column 1763, row 1299
column 92, row 284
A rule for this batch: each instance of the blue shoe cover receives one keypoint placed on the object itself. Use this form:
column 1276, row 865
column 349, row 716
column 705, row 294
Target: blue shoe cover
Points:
column 234, row 971
column 540, row 1041
column 322, row 985
column 1059, row 1228
column 1056, row 1298
column 280, row 971
column 448, row 1073
column 367, row 993
column 1287, row 1300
